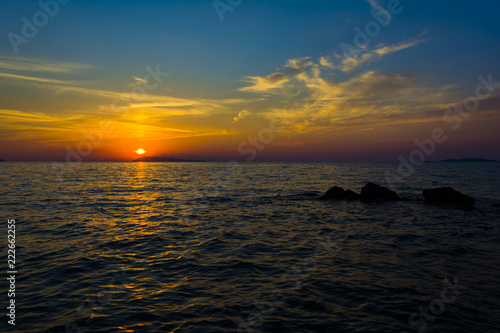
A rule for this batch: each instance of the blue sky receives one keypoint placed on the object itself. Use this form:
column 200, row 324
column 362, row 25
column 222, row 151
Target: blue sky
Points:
column 435, row 48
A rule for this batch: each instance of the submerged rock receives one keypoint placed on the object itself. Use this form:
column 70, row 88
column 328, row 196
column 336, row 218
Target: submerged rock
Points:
column 449, row 195
column 372, row 191
column 338, row 193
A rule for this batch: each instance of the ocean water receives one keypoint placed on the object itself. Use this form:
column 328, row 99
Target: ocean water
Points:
column 214, row 247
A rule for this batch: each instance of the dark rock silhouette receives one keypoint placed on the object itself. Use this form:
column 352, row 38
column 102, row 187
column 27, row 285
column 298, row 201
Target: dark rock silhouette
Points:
column 351, row 195
column 338, row 193
column 374, row 192
column 369, row 192
column 448, row 195
column 496, row 205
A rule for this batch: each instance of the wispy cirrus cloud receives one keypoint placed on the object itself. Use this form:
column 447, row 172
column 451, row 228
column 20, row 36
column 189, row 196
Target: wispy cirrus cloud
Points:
column 19, row 125
column 119, row 100
column 22, row 115
column 309, row 72
column 295, row 68
column 150, row 116
column 325, row 62
column 328, row 94
column 273, row 81
column 243, row 114
column 364, row 57
column 38, row 65
column 35, row 79
column 267, row 83
column 36, row 71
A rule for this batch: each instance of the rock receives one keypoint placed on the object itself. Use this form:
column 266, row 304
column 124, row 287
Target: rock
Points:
column 467, row 207
column 351, row 195
column 338, row 193
column 335, row 193
column 372, row 191
column 450, row 196
column 496, row 205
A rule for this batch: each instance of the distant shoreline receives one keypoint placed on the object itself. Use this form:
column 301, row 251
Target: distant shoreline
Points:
column 468, row 160
column 165, row 159
column 153, row 159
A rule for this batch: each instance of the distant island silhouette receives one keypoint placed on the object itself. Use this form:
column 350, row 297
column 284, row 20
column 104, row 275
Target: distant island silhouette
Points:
column 2, row 160
column 163, row 159
column 469, row 159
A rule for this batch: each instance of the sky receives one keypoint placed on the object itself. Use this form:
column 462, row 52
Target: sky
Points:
column 326, row 81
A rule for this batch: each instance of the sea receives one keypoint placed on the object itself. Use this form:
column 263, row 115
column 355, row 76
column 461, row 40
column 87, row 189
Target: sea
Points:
column 248, row 247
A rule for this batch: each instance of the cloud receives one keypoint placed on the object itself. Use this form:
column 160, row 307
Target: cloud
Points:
column 370, row 99
column 325, row 62
column 119, row 101
column 356, row 60
column 299, row 64
column 38, row 65
column 133, row 113
column 21, row 115
column 293, row 68
column 262, row 84
column 326, row 94
column 33, row 78
column 241, row 115
column 138, row 81
column 17, row 125
column 370, row 84
column 303, row 69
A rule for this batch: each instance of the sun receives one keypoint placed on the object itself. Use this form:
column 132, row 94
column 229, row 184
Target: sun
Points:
column 140, row 151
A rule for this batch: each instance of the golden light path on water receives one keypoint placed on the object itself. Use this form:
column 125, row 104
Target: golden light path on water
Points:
column 156, row 247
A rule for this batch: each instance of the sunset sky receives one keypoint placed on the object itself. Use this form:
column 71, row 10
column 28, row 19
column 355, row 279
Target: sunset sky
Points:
column 92, row 78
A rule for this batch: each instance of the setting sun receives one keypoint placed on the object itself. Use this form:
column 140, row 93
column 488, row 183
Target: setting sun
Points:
column 140, row 151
